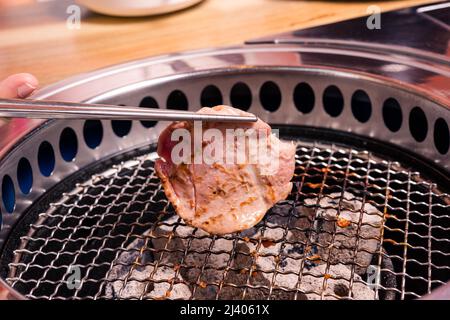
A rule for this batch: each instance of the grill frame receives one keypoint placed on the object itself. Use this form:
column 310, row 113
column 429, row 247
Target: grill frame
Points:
column 240, row 61
column 306, row 159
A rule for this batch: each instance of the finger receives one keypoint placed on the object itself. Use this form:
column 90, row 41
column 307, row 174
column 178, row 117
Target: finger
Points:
column 18, row 86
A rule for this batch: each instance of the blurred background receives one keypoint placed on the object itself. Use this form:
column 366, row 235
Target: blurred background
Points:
column 46, row 38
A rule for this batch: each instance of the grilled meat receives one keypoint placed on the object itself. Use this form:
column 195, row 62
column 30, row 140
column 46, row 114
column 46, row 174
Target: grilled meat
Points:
column 220, row 196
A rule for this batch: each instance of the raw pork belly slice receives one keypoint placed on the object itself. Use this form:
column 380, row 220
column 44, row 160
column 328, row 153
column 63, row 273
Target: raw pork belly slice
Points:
column 223, row 197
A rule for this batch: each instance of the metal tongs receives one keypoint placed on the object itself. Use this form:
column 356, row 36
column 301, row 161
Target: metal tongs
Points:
column 43, row 109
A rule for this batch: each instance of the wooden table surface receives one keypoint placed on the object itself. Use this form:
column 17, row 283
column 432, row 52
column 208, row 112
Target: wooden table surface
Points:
column 34, row 37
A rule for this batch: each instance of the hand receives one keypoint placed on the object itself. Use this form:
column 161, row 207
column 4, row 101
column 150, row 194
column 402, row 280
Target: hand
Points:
column 16, row 86
column 19, row 85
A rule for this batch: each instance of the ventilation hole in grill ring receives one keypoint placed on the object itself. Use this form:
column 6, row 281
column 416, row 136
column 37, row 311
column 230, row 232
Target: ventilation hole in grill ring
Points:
column 418, row 124
column 241, row 96
column 333, row 101
column 8, row 194
column 151, row 103
column 93, row 133
column 24, row 176
column 177, row 100
column 121, row 128
column 441, row 136
column 361, row 106
column 68, row 144
column 270, row 96
column 304, row 98
column 211, row 96
column 46, row 159
column 392, row 114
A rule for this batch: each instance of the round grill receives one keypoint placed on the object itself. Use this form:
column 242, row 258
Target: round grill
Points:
column 118, row 234
column 83, row 215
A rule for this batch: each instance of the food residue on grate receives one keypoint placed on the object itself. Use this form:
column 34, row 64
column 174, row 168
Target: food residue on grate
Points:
column 315, row 257
column 325, row 170
column 389, row 216
column 267, row 243
column 343, row 223
column 314, row 185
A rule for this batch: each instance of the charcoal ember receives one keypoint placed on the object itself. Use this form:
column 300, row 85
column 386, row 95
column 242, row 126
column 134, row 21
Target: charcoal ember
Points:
column 345, row 228
column 285, row 226
column 211, row 265
column 169, row 240
column 272, row 258
column 128, row 280
column 236, row 278
column 291, row 260
column 132, row 287
column 170, row 243
column 286, row 239
column 280, row 248
column 206, row 279
column 334, row 284
column 298, row 219
column 276, row 257
column 245, row 273
column 268, row 246
column 205, row 261
column 286, row 282
column 283, row 218
column 164, row 277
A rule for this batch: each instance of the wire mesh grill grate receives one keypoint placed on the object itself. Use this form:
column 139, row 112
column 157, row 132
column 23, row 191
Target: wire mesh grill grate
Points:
column 354, row 227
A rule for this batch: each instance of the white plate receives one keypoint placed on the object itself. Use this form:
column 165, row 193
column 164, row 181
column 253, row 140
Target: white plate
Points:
column 136, row 8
